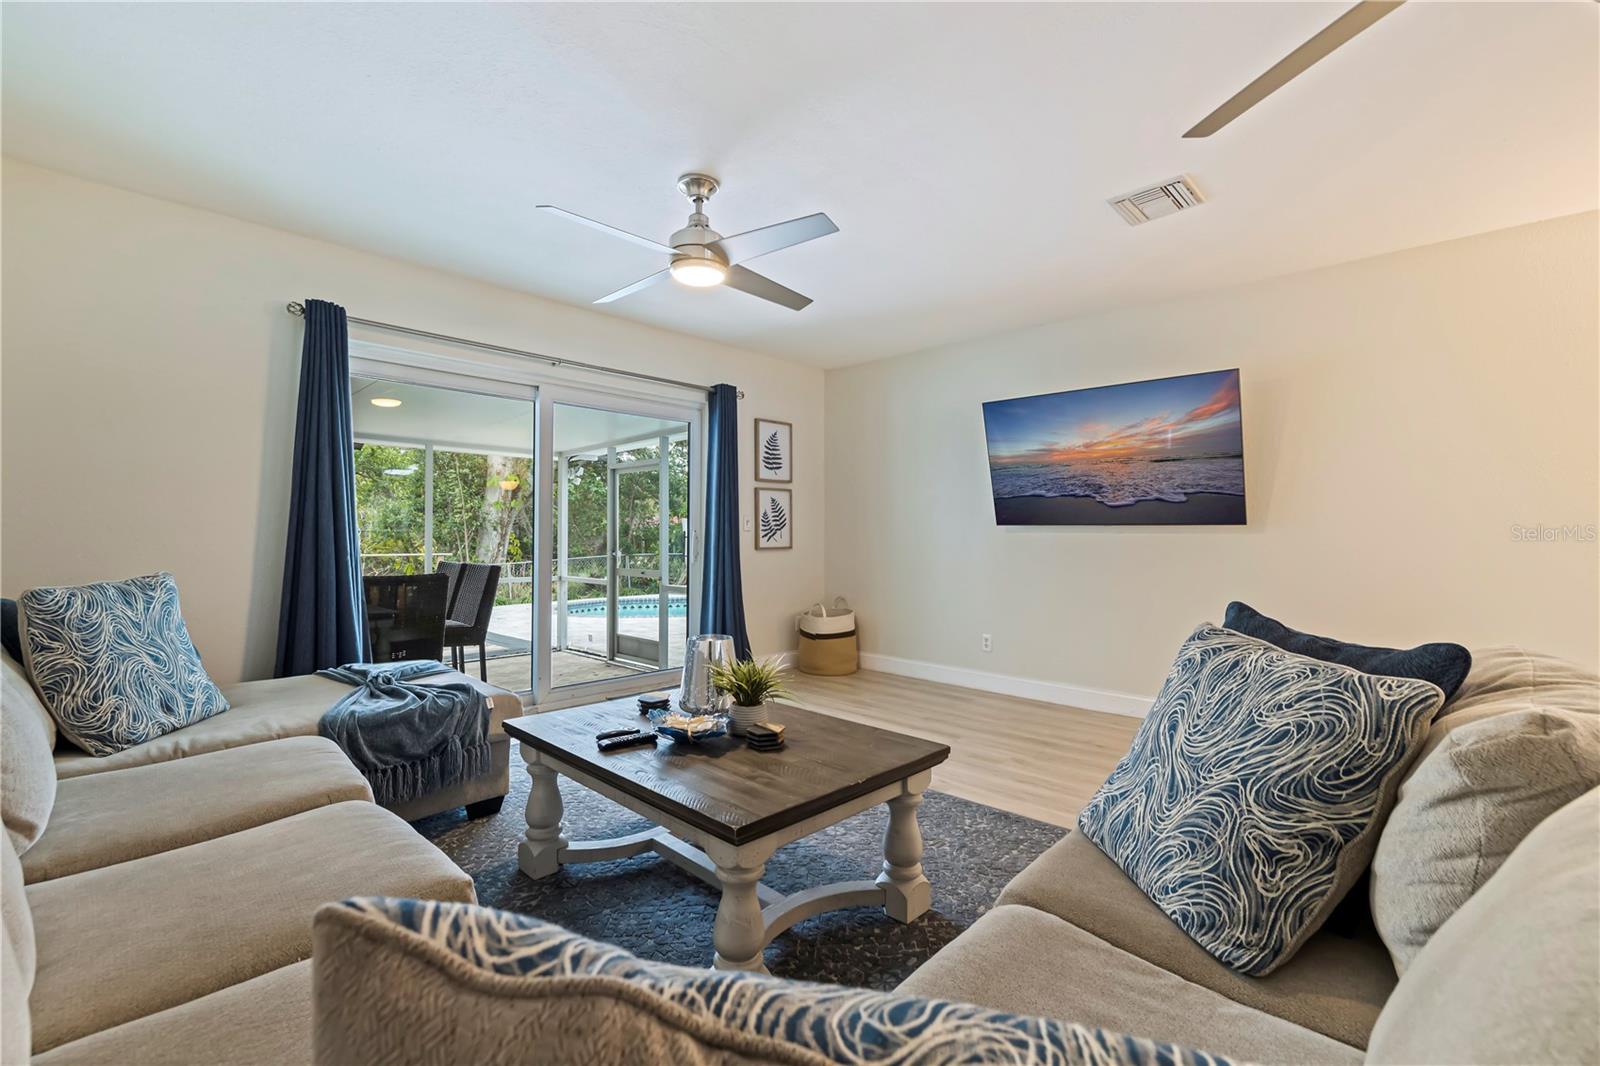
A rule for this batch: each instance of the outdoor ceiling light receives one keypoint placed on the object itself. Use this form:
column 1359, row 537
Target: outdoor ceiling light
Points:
column 699, row 273
column 385, row 401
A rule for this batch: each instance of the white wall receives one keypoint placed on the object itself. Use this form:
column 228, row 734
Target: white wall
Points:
column 1401, row 415
column 149, row 390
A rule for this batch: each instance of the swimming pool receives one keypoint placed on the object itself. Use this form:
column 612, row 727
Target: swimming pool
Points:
column 631, row 606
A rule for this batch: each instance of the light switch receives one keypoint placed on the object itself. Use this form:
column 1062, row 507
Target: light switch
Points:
column 749, row 524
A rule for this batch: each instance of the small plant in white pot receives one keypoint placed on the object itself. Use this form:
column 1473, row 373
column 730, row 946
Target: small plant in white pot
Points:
column 752, row 683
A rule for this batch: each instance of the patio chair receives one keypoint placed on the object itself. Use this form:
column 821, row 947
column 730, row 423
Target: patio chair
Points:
column 468, row 622
column 452, row 571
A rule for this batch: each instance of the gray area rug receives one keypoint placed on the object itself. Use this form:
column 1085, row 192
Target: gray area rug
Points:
column 659, row 912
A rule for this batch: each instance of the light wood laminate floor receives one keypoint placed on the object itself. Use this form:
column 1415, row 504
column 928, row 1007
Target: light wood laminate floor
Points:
column 1042, row 760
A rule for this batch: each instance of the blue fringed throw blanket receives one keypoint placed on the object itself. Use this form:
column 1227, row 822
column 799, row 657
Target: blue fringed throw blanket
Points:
column 408, row 739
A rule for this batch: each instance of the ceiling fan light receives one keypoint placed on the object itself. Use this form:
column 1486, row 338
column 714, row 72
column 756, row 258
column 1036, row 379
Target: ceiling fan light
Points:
column 699, row 273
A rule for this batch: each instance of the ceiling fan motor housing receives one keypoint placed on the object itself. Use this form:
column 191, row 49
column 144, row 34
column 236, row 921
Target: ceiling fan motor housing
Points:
column 693, row 240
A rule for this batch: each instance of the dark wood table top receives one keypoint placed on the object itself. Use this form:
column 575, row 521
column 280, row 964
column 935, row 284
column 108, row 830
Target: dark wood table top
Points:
column 724, row 787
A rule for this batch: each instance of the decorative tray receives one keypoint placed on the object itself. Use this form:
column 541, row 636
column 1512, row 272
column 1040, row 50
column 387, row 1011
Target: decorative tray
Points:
column 686, row 729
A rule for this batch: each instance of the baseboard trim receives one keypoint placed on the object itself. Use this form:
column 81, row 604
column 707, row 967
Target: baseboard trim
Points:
column 1090, row 699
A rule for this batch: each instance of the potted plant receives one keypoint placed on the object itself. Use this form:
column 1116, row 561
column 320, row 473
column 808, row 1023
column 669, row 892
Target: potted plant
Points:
column 751, row 683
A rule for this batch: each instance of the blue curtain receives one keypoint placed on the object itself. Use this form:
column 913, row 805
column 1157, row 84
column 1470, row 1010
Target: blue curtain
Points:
column 721, row 590
column 322, row 621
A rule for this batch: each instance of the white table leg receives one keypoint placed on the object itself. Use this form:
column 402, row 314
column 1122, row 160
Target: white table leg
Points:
column 539, row 854
column 906, row 892
column 740, row 933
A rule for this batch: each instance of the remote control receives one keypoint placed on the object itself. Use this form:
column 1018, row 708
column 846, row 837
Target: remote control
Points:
column 629, row 741
column 628, row 732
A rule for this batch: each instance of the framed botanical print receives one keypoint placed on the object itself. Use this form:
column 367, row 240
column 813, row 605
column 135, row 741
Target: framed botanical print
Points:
column 774, row 445
column 774, row 518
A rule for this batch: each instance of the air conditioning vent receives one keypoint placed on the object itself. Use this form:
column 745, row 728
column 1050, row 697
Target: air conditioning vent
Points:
column 1158, row 201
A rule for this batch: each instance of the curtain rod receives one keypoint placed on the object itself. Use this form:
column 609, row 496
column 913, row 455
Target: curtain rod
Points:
column 299, row 311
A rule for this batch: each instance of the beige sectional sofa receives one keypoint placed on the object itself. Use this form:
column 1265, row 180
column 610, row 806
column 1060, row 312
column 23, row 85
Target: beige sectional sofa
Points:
column 1508, row 978
column 1072, row 937
column 1490, row 905
column 158, row 901
column 292, row 707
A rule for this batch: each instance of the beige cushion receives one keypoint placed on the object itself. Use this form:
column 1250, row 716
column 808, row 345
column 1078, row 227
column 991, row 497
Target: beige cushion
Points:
column 16, row 676
column 1514, row 975
column 265, row 1021
column 102, row 819
column 1464, row 809
column 1508, row 678
column 1334, row 985
column 15, row 1037
column 15, row 915
column 263, row 710
column 1025, row 961
column 27, row 773
column 17, row 957
column 126, row 941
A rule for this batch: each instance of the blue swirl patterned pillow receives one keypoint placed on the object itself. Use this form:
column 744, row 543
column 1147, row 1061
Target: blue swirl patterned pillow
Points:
column 113, row 662
column 842, row 1025
column 1255, row 791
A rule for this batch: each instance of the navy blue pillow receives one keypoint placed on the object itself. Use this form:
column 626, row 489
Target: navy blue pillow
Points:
column 10, row 634
column 1445, row 665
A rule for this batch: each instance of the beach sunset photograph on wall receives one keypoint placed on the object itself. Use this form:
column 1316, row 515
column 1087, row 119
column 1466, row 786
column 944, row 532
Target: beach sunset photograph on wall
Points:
column 1163, row 452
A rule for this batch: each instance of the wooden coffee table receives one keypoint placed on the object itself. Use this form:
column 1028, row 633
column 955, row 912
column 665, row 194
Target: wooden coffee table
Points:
column 722, row 809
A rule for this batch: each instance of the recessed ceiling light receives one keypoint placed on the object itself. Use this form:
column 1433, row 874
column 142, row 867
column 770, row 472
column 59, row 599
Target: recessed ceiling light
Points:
column 385, row 401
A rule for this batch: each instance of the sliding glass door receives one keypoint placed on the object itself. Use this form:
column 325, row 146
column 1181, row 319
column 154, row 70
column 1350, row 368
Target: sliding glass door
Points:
column 620, row 570
column 587, row 498
column 651, row 553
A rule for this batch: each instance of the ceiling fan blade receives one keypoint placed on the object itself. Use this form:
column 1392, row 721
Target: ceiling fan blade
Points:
column 642, row 283
column 746, row 280
column 742, row 247
column 1297, row 62
column 631, row 238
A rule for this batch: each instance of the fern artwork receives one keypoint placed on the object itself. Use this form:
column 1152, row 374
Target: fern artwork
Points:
column 773, row 518
column 774, row 443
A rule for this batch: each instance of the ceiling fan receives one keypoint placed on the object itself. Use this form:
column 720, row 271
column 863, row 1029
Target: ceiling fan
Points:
column 702, row 257
column 1297, row 62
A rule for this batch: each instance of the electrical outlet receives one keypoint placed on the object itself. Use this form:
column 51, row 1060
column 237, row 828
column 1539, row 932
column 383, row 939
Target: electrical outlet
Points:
column 988, row 642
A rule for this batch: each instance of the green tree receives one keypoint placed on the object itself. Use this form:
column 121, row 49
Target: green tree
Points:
column 476, row 518
column 483, row 512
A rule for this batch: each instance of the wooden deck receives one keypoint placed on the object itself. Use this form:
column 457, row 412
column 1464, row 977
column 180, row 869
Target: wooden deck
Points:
column 515, row 672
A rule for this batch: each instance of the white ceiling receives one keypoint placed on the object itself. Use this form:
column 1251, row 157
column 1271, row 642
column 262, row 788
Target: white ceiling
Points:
column 965, row 151
column 470, row 421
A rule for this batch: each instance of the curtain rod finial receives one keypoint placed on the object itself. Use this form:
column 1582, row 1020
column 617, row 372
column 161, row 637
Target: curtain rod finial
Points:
column 295, row 307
